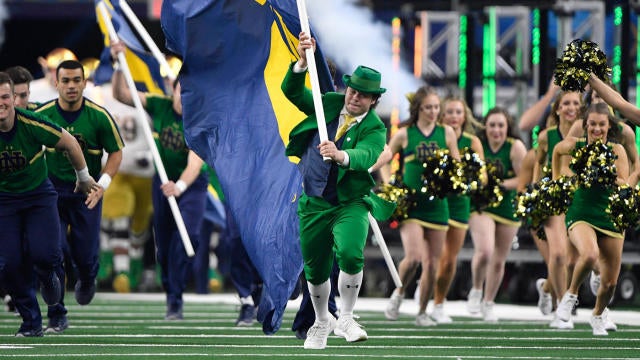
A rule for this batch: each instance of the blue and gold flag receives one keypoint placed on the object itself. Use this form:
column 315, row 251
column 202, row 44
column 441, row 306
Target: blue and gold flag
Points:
column 235, row 55
column 145, row 69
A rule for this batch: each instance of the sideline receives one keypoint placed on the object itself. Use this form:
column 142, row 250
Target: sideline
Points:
column 409, row 307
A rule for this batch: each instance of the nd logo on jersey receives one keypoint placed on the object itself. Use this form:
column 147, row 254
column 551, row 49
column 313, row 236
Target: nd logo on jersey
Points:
column 424, row 150
column 11, row 161
column 172, row 139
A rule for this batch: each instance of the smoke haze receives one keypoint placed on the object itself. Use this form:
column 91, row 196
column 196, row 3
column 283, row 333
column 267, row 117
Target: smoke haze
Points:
column 351, row 36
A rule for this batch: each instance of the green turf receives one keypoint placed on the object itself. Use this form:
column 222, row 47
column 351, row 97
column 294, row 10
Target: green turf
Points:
column 127, row 329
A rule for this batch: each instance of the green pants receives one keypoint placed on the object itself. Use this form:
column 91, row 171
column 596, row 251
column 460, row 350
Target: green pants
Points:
column 325, row 229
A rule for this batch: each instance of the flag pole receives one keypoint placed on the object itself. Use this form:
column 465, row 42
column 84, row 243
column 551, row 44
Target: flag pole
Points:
column 144, row 34
column 377, row 235
column 313, row 75
column 142, row 120
column 322, row 131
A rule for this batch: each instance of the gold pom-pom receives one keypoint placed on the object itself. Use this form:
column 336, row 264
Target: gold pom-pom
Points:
column 439, row 177
column 595, row 164
column 579, row 59
column 396, row 191
column 491, row 193
column 624, row 207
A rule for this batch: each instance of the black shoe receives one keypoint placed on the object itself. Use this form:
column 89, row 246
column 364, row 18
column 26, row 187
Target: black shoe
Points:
column 29, row 333
column 247, row 315
column 296, row 290
column 57, row 325
column 85, row 291
column 174, row 314
column 301, row 334
column 50, row 289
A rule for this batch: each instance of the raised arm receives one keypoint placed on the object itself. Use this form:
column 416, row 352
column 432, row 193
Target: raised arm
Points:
column 531, row 117
column 613, row 98
column 119, row 85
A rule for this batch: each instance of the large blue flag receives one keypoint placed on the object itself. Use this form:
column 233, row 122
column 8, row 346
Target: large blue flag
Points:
column 235, row 55
column 145, row 69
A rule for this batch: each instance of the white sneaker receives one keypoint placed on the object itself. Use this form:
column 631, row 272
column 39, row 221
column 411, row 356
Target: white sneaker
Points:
column 474, row 300
column 608, row 324
column 594, row 283
column 544, row 298
column 317, row 334
column 424, row 320
column 440, row 316
column 350, row 330
column 559, row 324
column 487, row 312
column 597, row 324
column 566, row 306
column 393, row 306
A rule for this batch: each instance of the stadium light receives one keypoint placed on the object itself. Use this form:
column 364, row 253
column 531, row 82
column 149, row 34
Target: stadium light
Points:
column 489, row 49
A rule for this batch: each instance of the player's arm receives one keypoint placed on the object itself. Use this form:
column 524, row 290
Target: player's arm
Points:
column 188, row 176
column 70, row 146
column 108, row 172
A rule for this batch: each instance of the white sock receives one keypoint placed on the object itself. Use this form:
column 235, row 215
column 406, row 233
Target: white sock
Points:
column 349, row 286
column 320, row 300
column 246, row 300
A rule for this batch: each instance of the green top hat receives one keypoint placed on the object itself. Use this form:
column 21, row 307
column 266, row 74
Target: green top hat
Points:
column 364, row 79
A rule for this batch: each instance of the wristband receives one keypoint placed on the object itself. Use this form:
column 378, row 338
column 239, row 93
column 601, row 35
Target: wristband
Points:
column 181, row 185
column 116, row 66
column 83, row 174
column 104, row 181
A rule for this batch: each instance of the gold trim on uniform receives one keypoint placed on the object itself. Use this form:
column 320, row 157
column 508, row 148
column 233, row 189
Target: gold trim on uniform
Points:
column 609, row 233
column 458, row 224
column 36, row 156
column 428, row 225
column 499, row 219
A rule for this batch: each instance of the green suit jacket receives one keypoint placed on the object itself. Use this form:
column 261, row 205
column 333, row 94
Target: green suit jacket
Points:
column 363, row 142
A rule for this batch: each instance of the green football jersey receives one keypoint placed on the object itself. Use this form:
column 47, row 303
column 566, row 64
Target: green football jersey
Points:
column 95, row 130
column 22, row 164
column 168, row 133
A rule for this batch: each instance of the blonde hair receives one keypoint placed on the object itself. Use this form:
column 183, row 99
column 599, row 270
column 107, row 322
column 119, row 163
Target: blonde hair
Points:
column 553, row 119
column 470, row 124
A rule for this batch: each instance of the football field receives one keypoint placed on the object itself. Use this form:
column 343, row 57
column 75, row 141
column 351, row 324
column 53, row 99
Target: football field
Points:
column 132, row 327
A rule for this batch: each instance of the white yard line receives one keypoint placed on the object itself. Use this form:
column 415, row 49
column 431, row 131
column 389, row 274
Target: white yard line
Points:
column 409, row 307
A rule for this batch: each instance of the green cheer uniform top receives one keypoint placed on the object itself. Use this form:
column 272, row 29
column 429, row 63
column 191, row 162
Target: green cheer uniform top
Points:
column 460, row 205
column 168, row 132
column 589, row 206
column 22, row 164
column 504, row 212
column 430, row 213
column 95, row 130
column 553, row 138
